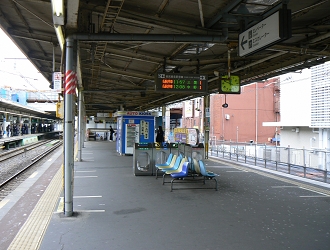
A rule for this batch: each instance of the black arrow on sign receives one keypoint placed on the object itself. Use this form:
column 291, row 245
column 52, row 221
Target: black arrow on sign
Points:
column 243, row 42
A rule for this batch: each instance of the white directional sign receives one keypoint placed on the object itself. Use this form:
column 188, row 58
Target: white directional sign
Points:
column 272, row 29
column 57, row 80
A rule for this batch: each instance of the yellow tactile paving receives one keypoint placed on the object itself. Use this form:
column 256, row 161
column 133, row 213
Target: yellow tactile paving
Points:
column 30, row 235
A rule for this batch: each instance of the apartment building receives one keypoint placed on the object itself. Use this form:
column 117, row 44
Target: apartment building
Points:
column 305, row 108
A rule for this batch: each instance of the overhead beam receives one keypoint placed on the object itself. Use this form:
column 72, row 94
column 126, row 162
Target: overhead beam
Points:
column 32, row 13
column 113, row 90
column 107, row 82
column 49, row 38
column 201, row 15
column 103, row 103
column 162, row 23
column 161, row 8
column 152, row 59
column 223, row 11
column 157, row 38
column 72, row 14
column 293, row 63
column 14, row 5
column 127, row 74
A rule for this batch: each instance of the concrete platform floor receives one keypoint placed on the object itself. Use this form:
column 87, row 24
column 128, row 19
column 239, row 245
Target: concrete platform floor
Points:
column 253, row 209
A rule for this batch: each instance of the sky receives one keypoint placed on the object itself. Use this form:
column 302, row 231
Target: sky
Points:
column 16, row 71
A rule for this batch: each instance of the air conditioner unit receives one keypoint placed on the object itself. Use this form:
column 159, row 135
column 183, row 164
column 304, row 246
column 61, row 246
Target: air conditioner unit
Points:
column 227, row 116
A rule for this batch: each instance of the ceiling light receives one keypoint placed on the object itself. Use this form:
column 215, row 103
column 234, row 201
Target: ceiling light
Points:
column 58, row 12
column 60, row 36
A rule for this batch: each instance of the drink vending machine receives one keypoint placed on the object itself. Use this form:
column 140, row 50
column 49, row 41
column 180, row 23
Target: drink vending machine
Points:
column 134, row 127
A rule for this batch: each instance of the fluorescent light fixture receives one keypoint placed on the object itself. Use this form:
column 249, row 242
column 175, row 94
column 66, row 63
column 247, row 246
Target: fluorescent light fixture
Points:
column 57, row 7
column 58, row 12
column 60, row 36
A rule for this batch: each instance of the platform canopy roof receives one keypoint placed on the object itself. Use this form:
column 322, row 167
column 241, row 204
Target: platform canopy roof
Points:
column 122, row 44
column 16, row 109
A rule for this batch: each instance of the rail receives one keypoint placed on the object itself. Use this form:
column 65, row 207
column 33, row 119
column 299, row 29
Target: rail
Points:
column 11, row 173
column 312, row 164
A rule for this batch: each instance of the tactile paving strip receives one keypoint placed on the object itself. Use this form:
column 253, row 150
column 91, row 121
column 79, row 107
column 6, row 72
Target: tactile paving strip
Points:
column 30, row 235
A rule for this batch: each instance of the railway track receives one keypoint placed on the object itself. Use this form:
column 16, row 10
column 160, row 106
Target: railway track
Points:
column 17, row 165
column 7, row 154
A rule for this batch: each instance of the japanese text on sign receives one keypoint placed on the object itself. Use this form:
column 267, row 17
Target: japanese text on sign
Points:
column 181, row 82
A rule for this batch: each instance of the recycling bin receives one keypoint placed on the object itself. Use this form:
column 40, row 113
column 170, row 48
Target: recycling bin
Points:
column 160, row 153
column 142, row 159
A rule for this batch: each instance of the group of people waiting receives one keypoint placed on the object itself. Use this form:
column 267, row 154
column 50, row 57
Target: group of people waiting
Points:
column 16, row 130
column 11, row 130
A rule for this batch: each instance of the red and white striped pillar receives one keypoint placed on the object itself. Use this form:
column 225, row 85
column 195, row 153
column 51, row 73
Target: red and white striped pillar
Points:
column 70, row 82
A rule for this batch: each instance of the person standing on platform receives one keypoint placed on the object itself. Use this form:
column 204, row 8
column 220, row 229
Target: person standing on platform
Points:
column 160, row 135
column 8, row 130
column 111, row 133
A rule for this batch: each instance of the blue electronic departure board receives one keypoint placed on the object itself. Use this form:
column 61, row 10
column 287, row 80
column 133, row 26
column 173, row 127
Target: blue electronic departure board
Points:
column 176, row 82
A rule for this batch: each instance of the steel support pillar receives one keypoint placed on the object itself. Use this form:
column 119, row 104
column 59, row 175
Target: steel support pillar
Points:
column 69, row 128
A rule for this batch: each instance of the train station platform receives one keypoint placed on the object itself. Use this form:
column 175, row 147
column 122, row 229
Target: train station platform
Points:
column 253, row 208
column 13, row 141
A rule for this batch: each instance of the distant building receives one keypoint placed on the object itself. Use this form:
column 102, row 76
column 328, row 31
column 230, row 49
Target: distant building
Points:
column 40, row 100
column 305, row 108
column 193, row 114
column 13, row 95
column 242, row 120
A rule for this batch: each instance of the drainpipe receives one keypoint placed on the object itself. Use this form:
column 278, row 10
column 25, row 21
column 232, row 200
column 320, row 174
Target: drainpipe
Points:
column 80, row 125
column 206, row 125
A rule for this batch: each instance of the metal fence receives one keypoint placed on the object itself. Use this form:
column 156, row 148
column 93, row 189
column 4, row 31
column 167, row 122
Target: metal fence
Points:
column 313, row 164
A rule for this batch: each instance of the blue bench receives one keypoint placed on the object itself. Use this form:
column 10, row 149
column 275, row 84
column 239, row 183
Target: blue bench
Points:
column 177, row 168
column 194, row 171
column 168, row 164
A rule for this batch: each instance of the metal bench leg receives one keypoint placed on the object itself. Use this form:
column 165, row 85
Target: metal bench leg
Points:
column 164, row 179
column 216, row 184
column 172, row 184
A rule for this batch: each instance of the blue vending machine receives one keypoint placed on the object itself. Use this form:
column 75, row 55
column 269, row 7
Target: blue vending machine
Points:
column 134, row 127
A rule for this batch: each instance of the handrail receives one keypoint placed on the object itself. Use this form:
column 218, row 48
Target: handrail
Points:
column 308, row 163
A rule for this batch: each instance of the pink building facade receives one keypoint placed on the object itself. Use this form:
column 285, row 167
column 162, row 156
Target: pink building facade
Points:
column 242, row 120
